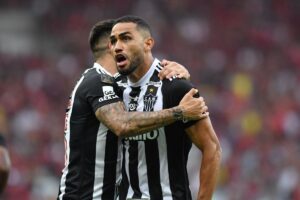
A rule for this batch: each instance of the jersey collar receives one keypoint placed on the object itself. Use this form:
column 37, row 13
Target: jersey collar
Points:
column 100, row 67
column 146, row 77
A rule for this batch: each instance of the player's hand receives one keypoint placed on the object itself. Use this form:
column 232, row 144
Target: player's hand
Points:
column 173, row 70
column 193, row 108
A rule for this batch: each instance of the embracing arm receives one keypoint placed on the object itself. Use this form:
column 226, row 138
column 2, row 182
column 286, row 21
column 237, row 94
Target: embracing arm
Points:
column 173, row 69
column 125, row 124
column 203, row 136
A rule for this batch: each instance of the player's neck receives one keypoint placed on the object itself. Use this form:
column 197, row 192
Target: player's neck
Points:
column 108, row 63
column 141, row 70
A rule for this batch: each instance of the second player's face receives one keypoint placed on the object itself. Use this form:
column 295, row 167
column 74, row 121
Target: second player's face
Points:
column 127, row 45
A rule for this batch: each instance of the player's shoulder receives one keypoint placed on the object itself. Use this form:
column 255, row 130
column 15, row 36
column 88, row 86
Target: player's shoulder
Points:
column 177, row 84
column 96, row 76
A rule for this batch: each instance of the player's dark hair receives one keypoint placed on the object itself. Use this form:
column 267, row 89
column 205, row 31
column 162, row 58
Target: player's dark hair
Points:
column 99, row 37
column 140, row 22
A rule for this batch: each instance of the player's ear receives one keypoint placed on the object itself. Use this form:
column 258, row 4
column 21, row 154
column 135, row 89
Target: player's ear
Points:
column 149, row 43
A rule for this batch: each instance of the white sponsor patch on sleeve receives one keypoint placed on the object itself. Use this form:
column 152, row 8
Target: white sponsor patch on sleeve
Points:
column 108, row 93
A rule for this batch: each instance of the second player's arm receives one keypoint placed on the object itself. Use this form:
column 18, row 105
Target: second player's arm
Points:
column 125, row 124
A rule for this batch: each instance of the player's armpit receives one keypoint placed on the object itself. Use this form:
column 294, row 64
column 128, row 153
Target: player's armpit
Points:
column 203, row 136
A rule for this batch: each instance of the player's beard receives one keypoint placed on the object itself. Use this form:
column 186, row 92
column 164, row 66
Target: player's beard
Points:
column 133, row 65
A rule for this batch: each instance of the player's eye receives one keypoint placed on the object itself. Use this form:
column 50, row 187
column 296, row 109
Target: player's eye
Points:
column 113, row 41
column 126, row 38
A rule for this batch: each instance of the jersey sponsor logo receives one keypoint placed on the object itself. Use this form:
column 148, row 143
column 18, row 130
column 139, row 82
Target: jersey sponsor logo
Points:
column 154, row 83
column 108, row 92
column 132, row 106
column 146, row 136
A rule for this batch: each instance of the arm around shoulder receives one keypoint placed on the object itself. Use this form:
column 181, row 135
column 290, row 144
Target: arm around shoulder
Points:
column 125, row 124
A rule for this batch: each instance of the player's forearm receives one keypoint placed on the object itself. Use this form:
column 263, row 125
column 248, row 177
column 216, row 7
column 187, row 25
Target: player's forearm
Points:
column 134, row 123
column 127, row 124
column 209, row 172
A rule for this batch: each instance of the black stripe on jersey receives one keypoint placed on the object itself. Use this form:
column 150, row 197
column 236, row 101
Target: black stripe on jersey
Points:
column 153, row 169
column 133, row 168
column 111, row 152
column 133, row 148
column 178, row 146
column 151, row 146
column 79, row 175
column 177, row 168
column 159, row 66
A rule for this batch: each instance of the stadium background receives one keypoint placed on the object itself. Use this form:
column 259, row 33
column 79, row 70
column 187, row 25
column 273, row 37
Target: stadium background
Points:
column 243, row 55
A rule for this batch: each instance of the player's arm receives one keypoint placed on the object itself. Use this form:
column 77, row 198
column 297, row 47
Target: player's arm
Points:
column 126, row 124
column 204, row 137
column 4, row 164
column 173, row 69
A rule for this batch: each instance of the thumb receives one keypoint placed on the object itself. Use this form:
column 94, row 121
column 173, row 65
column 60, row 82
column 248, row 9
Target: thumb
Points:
column 192, row 92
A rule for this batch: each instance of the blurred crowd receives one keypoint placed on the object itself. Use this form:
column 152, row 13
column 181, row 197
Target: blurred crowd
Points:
column 243, row 56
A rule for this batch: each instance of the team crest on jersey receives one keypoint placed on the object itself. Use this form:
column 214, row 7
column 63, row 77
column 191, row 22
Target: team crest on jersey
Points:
column 149, row 102
column 108, row 93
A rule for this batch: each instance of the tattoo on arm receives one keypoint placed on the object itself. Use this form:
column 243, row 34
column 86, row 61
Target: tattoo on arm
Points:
column 125, row 124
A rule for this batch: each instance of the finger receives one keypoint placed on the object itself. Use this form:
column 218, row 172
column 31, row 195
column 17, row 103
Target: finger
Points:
column 204, row 109
column 204, row 115
column 179, row 75
column 162, row 73
column 164, row 62
column 167, row 73
column 189, row 94
column 171, row 74
column 192, row 92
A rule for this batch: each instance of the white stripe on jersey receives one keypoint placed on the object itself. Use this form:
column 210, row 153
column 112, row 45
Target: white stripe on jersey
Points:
column 130, row 191
column 142, row 171
column 67, row 141
column 164, row 172
column 99, row 165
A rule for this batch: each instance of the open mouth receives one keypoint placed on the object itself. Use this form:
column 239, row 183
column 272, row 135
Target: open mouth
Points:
column 121, row 60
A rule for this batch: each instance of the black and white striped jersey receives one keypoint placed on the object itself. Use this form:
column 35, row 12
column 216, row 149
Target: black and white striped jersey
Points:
column 93, row 158
column 154, row 163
